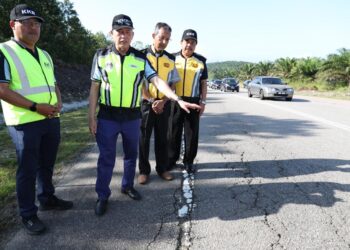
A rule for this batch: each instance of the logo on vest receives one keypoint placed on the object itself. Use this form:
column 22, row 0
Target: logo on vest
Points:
column 133, row 66
column 109, row 66
column 46, row 64
column 166, row 65
column 194, row 65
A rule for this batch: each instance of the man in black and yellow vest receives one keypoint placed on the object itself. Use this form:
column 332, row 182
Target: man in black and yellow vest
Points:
column 117, row 76
column 192, row 88
column 31, row 103
column 155, row 106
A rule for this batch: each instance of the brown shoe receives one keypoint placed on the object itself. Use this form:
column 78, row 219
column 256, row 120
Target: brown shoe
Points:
column 142, row 179
column 166, row 176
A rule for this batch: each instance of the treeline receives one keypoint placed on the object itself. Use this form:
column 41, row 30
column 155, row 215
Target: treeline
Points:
column 333, row 71
column 62, row 34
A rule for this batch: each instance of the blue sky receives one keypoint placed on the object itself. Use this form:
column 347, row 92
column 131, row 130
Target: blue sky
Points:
column 239, row 30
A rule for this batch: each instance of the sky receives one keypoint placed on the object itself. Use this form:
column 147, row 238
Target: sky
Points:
column 233, row 30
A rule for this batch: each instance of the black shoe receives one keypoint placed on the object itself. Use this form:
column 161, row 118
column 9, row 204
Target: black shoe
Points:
column 189, row 168
column 132, row 193
column 55, row 203
column 33, row 225
column 101, row 207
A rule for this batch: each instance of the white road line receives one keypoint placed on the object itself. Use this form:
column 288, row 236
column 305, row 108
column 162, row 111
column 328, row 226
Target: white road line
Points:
column 312, row 117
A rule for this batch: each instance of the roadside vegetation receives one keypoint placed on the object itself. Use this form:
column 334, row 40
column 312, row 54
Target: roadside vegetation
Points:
column 62, row 34
column 329, row 77
column 75, row 138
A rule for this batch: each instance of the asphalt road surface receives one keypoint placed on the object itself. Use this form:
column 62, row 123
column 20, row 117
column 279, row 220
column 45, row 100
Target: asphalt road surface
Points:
column 270, row 175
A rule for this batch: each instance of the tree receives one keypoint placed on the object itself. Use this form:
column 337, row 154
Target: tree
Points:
column 284, row 67
column 62, row 33
column 337, row 66
column 263, row 68
column 308, row 68
column 247, row 71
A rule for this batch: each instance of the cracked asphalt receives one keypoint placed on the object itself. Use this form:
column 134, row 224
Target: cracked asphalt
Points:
column 270, row 175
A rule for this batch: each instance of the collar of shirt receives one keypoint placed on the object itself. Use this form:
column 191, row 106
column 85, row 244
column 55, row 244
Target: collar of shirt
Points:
column 114, row 49
column 153, row 51
column 33, row 53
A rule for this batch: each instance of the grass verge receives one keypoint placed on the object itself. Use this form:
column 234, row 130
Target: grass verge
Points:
column 322, row 89
column 75, row 138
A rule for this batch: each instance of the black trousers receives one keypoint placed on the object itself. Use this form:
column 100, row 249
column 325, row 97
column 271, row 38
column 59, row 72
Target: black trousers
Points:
column 189, row 122
column 36, row 147
column 159, row 124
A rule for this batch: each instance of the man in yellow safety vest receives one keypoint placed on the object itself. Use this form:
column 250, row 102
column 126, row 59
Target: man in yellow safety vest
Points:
column 31, row 103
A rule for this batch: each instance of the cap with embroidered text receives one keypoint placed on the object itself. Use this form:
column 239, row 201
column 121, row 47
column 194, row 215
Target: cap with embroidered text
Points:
column 122, row 21
column 189, row 34
column 22, row 12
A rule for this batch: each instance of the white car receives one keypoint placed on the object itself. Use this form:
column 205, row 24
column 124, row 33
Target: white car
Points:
column 270, row 87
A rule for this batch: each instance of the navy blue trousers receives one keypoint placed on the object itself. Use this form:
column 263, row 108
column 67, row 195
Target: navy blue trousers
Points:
column 36, row 147
column 106, row 138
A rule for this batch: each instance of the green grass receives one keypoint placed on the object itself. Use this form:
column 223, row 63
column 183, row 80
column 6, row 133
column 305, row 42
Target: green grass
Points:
column 75, row 138
column 322, row 89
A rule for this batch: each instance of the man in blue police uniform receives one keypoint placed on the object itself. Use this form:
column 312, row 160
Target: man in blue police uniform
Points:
column 117, row 75
column 31, row 103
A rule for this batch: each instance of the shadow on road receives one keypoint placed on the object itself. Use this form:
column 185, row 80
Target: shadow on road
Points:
column 219, row 193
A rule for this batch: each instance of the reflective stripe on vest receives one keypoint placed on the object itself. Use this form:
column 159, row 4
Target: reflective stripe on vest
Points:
column 26, row 89
column 30, row 78
column 121, row 81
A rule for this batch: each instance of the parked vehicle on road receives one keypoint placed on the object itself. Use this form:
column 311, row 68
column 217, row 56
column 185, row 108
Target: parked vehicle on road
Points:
column 246, row 83
column 216, row 84
column 270, row 87
column 229, row 84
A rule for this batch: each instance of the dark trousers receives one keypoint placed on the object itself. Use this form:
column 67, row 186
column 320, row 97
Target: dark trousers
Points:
column 189, row 122
column 106, row 138
column 159, row 124
column 36, row 147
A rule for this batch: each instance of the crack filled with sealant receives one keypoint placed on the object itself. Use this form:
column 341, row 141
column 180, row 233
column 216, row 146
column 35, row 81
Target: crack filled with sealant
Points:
column 184, row 205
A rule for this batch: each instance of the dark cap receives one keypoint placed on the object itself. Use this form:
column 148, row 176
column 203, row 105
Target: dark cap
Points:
column 122, row 21
column 189, row 34
column 22, row 12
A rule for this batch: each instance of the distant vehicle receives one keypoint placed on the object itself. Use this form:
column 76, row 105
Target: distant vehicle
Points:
column 229, row 84
column 246, row 83
column 216, row 84
column 270, row 87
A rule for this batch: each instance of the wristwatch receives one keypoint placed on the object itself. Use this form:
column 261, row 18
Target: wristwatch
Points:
column 203, row 102
column 33, row 107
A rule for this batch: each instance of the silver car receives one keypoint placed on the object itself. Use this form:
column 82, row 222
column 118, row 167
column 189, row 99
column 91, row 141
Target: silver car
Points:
column 270, row 87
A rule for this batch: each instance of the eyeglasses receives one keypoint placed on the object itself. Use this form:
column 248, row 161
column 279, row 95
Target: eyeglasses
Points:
column 29, row 23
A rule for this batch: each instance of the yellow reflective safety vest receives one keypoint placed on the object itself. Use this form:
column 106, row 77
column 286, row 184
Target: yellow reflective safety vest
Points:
column 190, row 72
column 121, row 80
column 164, row 64
column 29, row 78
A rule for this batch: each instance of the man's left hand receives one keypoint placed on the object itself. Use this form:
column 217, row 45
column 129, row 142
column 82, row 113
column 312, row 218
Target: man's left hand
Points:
column 158, row 106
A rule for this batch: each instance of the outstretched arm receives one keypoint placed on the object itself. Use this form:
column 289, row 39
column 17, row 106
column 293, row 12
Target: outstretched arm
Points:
column 166, row 90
